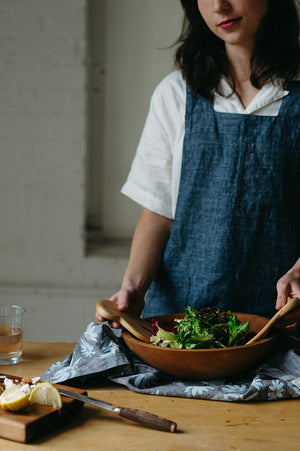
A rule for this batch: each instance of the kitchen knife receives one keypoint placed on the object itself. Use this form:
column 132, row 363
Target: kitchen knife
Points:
column 146, row 418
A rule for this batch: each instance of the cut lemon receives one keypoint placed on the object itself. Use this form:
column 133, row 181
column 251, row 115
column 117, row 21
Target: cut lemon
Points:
column 14, row 399
column 46, row 394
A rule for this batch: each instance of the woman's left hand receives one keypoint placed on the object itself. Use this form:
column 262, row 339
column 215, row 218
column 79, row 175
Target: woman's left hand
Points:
column 288, row 286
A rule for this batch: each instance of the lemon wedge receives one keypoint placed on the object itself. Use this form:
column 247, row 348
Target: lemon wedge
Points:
column 46, row 394
column 14, row 399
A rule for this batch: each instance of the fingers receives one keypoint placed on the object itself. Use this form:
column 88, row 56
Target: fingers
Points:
column 127, row 299
column 291, row 327
column 288, row 285
column 286, row 327
column 99, row 317
column 121, row 299
column 280, row 302
column 283, row 291
column 113, row 324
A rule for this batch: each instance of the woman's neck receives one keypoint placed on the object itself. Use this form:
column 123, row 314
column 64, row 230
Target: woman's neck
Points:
column 240, row 63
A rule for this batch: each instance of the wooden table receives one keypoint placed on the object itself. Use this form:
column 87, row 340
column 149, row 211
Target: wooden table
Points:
column 202, row 425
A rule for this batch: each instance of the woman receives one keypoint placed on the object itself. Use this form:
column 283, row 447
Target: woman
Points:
column 217, row 169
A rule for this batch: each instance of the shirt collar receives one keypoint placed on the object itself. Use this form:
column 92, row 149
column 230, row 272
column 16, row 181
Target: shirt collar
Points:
column 272, row 91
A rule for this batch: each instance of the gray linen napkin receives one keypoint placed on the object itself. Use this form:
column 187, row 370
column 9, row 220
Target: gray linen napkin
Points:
column 100, row 355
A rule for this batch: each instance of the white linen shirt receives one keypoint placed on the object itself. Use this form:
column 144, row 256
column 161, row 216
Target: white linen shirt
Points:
column 154, row 177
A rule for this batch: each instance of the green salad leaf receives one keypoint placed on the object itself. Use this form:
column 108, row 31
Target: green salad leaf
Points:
column 206, row 328
column 165, row 339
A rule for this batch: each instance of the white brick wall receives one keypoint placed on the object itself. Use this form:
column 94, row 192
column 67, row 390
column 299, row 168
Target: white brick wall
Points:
column 43, row 153
column 42, row 138
column 42, row 171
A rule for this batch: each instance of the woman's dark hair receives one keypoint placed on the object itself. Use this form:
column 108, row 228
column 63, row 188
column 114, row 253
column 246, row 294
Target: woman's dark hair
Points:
column 202, row 59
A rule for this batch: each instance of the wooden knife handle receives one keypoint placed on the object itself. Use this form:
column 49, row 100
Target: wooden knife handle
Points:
column 148, row 419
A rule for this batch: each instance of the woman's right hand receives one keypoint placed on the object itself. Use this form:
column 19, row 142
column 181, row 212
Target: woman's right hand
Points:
column 127, row 299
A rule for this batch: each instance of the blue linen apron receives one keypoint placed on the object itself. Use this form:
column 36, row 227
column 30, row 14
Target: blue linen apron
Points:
column 236, row 229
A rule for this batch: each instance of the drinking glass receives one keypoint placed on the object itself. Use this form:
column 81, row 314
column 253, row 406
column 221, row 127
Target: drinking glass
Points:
column 11, row 334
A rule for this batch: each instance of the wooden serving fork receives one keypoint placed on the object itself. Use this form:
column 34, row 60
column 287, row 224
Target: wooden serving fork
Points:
column 289, row 306
column 139, row 328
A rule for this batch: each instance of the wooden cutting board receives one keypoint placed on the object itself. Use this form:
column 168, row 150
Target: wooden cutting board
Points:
column 26, row 426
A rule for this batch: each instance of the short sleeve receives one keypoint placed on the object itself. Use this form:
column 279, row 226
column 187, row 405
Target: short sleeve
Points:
column 149, row 182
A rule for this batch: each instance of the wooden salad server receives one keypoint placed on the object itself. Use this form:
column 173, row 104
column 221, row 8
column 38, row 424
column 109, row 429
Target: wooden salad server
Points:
column 139, row 328
column 291, row 305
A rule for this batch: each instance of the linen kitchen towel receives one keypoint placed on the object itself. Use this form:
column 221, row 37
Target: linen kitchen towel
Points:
column 101, row 355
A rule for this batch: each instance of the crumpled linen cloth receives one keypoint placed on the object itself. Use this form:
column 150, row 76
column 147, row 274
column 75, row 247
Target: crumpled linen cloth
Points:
column 101, row 355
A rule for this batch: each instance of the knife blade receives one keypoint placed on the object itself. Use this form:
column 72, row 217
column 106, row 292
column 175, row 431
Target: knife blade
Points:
column 140, row 416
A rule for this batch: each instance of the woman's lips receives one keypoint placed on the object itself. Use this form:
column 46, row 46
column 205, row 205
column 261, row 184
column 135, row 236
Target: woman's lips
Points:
column 228, row 23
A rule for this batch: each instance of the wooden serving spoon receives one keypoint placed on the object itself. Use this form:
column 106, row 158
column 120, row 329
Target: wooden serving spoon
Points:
column 140, row 328
column 291, row 305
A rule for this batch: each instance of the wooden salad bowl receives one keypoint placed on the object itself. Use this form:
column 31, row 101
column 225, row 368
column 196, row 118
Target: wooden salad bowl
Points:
column 204, row 363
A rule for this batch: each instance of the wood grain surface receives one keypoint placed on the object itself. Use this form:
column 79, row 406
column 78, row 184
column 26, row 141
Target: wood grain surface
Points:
column 202, row 424
column 29, row 424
